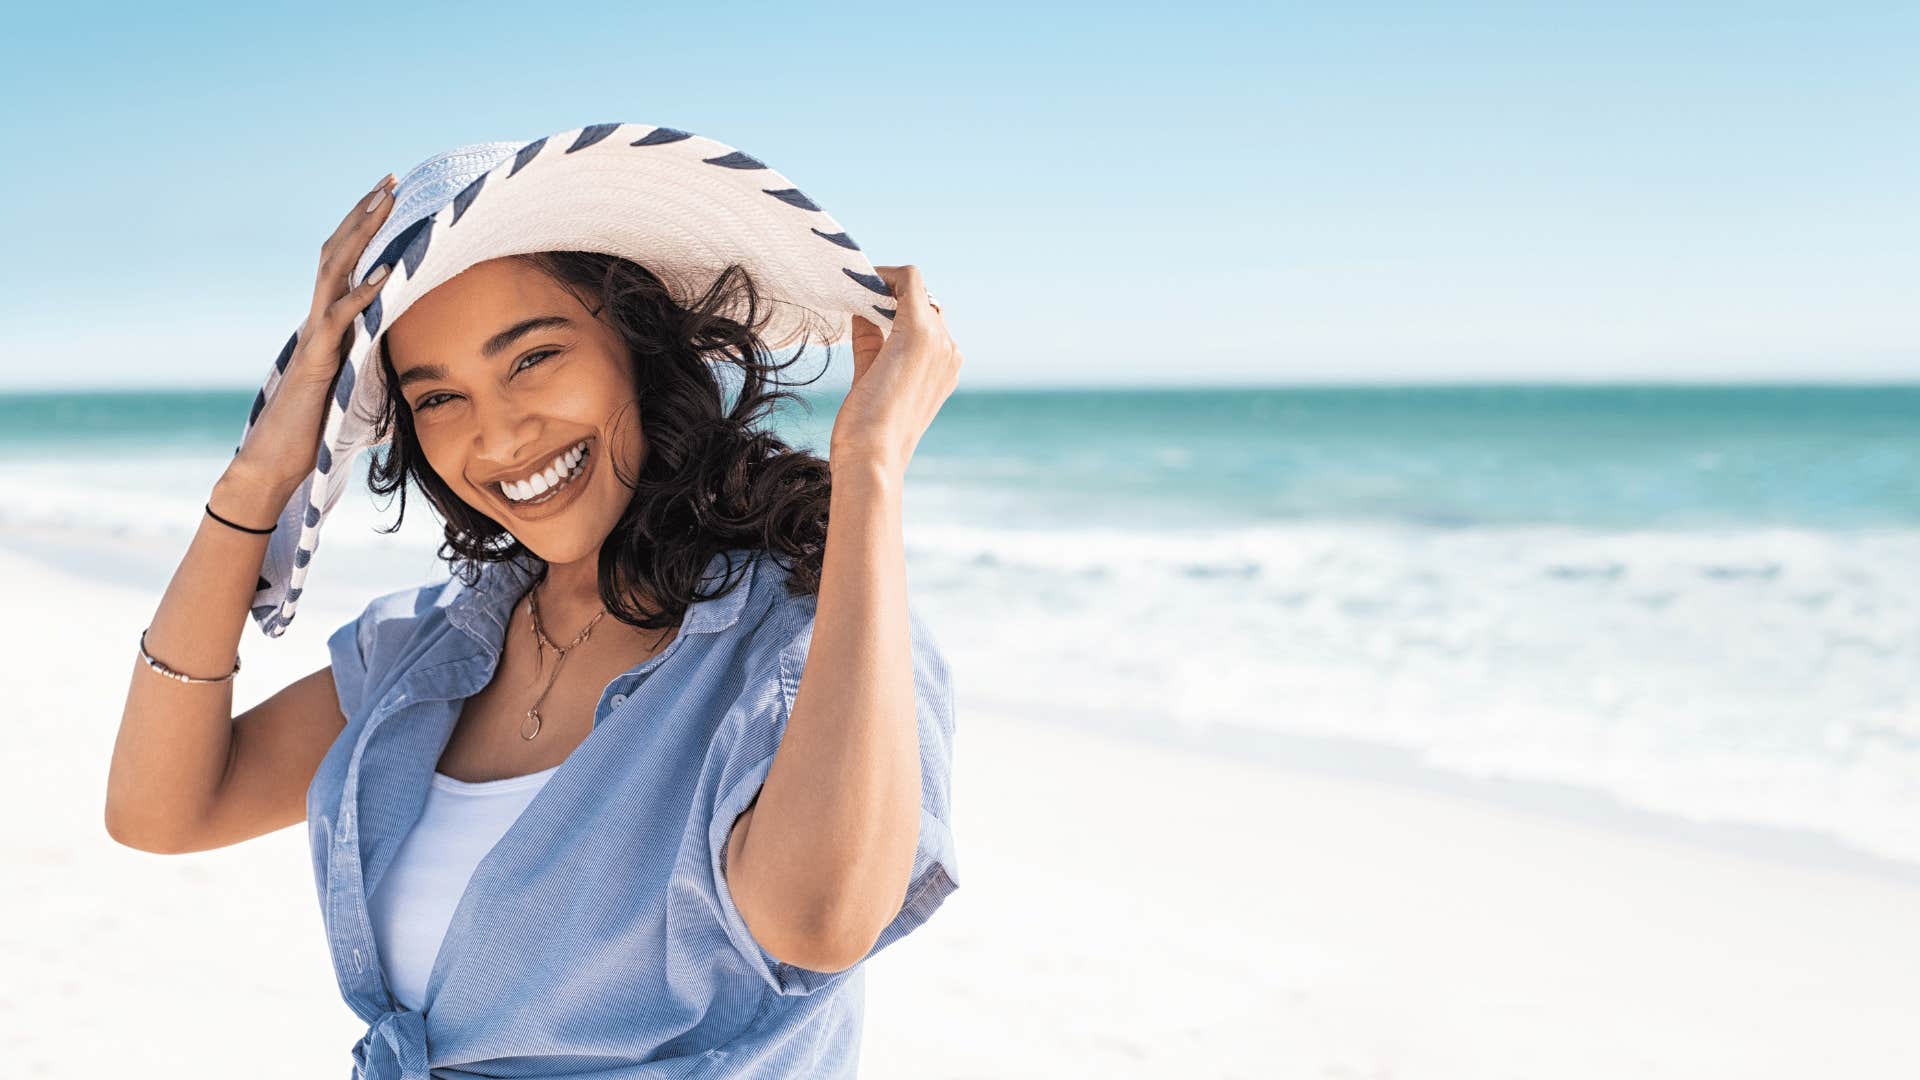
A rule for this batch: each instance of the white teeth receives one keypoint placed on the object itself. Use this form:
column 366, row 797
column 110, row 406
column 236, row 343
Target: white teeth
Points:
column 541, row 482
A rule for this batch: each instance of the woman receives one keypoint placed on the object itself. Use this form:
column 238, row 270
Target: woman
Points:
column 635, row 791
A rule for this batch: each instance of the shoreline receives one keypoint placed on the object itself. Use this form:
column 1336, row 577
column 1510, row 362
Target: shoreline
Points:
column 1405, row 769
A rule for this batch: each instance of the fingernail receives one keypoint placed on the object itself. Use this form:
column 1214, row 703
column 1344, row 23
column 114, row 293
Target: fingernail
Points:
column 374, row 203
column 377, row 274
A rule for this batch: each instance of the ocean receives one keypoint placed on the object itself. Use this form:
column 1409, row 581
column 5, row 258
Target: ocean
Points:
column 1698, row 601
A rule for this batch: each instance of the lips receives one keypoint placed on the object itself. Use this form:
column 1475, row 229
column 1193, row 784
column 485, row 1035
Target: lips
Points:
column 554, row 499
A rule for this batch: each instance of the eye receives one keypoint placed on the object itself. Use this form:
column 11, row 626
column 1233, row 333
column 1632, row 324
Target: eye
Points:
column 433, row 400
column 523, row 365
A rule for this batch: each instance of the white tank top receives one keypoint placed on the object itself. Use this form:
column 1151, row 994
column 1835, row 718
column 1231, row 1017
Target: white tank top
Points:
column 414, row 902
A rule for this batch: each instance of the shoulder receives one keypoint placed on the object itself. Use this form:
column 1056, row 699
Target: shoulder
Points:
column 773, row 609
column 402, row 613
column 395, row 623
column 771, row 621
column 391, row 633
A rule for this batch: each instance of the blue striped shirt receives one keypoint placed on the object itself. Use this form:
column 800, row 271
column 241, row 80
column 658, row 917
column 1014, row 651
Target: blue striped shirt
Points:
column 598, row 938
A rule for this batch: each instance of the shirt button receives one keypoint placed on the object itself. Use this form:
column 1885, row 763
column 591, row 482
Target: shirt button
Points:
column 618, row 700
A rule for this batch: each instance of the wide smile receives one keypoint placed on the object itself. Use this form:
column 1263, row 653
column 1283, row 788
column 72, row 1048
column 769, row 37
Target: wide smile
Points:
column 561, row 495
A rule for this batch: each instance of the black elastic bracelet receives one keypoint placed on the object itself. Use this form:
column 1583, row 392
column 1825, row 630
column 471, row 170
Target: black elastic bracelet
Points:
column 242, row 528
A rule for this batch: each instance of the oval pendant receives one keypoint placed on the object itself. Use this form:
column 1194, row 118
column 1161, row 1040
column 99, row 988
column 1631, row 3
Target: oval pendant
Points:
column 533, row 715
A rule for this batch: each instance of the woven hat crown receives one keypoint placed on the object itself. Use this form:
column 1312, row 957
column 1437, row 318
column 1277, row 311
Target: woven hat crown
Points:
column 426, row 188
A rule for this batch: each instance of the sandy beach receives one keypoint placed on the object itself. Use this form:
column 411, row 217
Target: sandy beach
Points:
column 1127, row 908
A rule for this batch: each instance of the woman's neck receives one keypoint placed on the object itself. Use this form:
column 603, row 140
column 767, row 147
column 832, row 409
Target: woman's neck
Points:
column 569, row 596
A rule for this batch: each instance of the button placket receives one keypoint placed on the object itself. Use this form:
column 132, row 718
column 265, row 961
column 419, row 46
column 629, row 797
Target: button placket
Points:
column 616, row 699
column 347, row 929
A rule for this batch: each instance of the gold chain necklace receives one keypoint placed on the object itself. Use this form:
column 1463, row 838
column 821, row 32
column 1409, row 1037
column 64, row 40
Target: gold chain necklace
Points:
column 540, row 634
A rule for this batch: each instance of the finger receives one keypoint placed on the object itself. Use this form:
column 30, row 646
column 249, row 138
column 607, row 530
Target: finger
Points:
column 357, row 298
column 909, row 293
column 366, row 216
column 342, row 251
column 866, row 345
column 334, row 321
column 328, row 331
column 381, row 192
column 867, row 336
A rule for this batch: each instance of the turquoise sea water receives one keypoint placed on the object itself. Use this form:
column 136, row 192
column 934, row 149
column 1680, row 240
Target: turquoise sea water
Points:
column 1703, row 601
column 1444, row 457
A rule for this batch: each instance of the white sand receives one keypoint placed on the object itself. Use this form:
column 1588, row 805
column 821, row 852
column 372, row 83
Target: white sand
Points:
column 1126, row 909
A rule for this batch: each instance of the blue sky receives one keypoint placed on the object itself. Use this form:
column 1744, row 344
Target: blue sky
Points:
column 1215, row 193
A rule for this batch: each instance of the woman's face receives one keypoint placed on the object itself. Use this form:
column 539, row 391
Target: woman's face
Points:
column 506, row 372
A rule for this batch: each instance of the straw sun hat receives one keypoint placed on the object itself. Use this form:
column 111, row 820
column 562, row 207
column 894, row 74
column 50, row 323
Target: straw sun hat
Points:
column 679, row 204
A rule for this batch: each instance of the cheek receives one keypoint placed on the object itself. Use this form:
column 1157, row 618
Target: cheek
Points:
column 630, row 439
column 439, row 457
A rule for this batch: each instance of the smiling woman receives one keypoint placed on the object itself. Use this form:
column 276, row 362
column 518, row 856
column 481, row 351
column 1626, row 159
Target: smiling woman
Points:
column 718, row 801
column 511, row 384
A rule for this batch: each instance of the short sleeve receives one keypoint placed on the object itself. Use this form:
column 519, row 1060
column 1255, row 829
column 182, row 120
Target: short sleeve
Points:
column 348, row 650
column 751, row 746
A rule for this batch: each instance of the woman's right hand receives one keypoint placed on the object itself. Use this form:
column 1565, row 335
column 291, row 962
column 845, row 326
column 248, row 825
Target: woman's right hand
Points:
column 280, row 448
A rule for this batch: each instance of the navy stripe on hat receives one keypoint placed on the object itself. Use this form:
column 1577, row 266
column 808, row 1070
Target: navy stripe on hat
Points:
column 736, row 160
column 343, row 391
column 871, row 281
column 592, row 134
column 527, row 153
column 286, row 352
column 417, row 250
column 660, row 136
column 793, row 196
column 466, row 197
column 370, row 316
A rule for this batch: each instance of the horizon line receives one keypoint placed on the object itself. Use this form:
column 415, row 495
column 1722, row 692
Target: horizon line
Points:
column 1465, row 382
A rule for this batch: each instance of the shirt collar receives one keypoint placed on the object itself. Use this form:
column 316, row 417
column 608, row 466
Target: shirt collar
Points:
column 483, row 609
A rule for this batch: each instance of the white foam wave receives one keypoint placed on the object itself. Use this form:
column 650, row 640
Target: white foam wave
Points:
column 1746, row 675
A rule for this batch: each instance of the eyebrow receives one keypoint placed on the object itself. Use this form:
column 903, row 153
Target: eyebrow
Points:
column 493, row 347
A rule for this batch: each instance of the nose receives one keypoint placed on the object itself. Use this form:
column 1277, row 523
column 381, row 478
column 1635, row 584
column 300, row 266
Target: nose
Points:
column 502, row 434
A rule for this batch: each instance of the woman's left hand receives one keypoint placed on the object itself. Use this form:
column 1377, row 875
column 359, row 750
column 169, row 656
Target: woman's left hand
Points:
column 899, row 380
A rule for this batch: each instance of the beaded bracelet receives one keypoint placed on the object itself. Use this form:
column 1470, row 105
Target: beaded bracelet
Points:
column 180, row 676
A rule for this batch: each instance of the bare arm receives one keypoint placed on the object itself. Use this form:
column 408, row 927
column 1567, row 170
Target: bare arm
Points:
column 185, row 776
column 822, row 861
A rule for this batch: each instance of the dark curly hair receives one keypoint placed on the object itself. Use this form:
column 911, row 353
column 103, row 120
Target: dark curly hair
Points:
column 712, row 479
